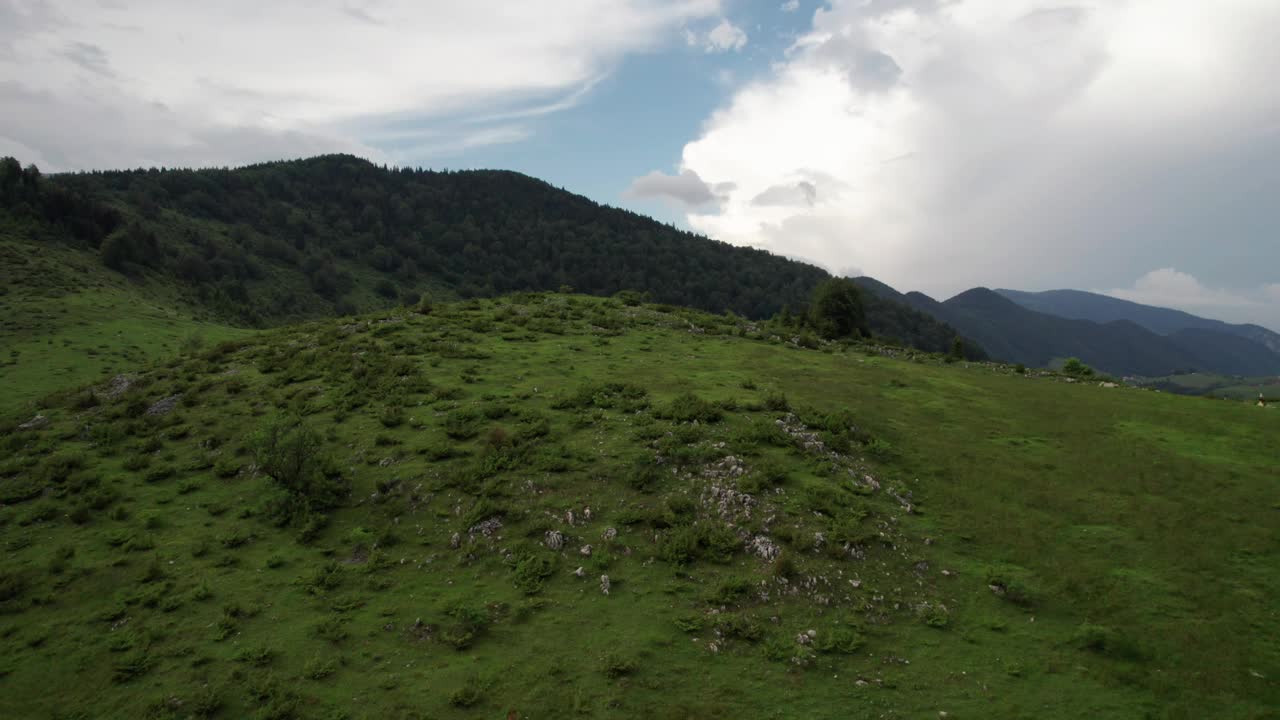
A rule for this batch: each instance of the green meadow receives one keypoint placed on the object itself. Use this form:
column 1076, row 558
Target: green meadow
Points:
column 412, row 514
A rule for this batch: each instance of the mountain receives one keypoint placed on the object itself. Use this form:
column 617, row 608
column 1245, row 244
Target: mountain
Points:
column 1012, row 332
column 1082, row 305
column 280, row 242
column 563, row 506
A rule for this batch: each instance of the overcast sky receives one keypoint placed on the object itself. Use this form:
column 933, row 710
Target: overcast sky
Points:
column 1125, row 146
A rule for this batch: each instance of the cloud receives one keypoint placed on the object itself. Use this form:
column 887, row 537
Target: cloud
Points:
column 1168, row 287
column 790, row 6
column 724, row 37
column 685, row 188
column 801, row 194
column 160, row 79
column 1013, row 143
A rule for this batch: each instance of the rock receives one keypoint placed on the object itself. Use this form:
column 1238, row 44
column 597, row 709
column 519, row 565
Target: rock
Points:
column 118, row 386
column 804, row 639
column 164, row 406
column 486, row 528
column 604, row 584
column 1108, row 385
column 586, row 514
column 580, row 572
column 609, row 533
column 35, row 423
column 568, row 517
column 764, row 547
column 456, row 541
column 585, row 550
column 553, row 539
column 998, row 590
column 811, row 633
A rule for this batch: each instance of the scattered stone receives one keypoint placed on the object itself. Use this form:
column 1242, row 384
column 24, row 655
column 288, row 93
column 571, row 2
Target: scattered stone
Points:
column 580, row 572
column 35, row 423
column 553, row 539
column 164, row 406
column 486, row 528
column 568, row 517
column 764, row 547
column 585, row 550
column 604, row 584
column 118, row 386
column 1109, row 385
column 998, row 590
column 456, row 541
column 609, row 533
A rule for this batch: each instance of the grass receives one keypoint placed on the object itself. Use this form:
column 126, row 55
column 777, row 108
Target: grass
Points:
column 66, row 321
column 959, row 538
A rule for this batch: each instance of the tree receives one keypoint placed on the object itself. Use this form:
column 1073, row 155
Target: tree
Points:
column 1073, row 366
column 836, row 310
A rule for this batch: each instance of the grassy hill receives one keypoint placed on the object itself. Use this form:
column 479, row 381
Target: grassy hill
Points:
column 383, row 516
column 156, row 257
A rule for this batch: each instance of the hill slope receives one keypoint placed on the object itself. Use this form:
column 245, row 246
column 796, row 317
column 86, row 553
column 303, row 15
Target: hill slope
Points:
column 1082, row 305
column 781, row 537
column 281, row 242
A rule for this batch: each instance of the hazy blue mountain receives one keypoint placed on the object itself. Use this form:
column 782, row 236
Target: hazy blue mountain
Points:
column 1121, row 345
column 1081, row 305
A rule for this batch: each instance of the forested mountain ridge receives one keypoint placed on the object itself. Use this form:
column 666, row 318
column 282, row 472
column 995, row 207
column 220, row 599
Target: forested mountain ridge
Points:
column 278, row 242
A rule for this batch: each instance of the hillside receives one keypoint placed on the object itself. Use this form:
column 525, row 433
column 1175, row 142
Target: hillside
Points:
column 1012, row 332
column 1082, row 305
column 280, row 242
column 404, row 515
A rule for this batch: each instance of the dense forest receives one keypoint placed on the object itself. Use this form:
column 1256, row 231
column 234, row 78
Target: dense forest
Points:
column 282, row 241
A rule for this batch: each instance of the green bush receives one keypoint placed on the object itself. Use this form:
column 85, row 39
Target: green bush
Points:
column 531, row 571
column 688, row 407
column 293, row 456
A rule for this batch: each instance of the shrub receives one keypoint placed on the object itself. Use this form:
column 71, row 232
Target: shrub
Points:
column 462, row 424
column 1073, row 366
column 644, row 474
column 531, row 571
column 1106, row 641
column 468, row 695
column 842, row 640
column 733, row 625
column 392, row 416
column 614, row 665
column 688, row 407
column 291, row 454
column 465, row 623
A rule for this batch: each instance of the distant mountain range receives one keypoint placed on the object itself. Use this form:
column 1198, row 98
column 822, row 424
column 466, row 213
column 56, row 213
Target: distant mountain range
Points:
column 1115, row 336
column 1080, row 305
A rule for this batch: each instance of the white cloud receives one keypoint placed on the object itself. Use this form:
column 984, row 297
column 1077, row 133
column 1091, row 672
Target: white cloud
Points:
column 685, row 188
column 1167, row 287
column 1023, row 143
column 92, row 84
column 724, row 37
column 790, row 6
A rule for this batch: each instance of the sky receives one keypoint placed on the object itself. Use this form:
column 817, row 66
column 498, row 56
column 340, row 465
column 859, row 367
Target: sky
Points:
column 1130, row 147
